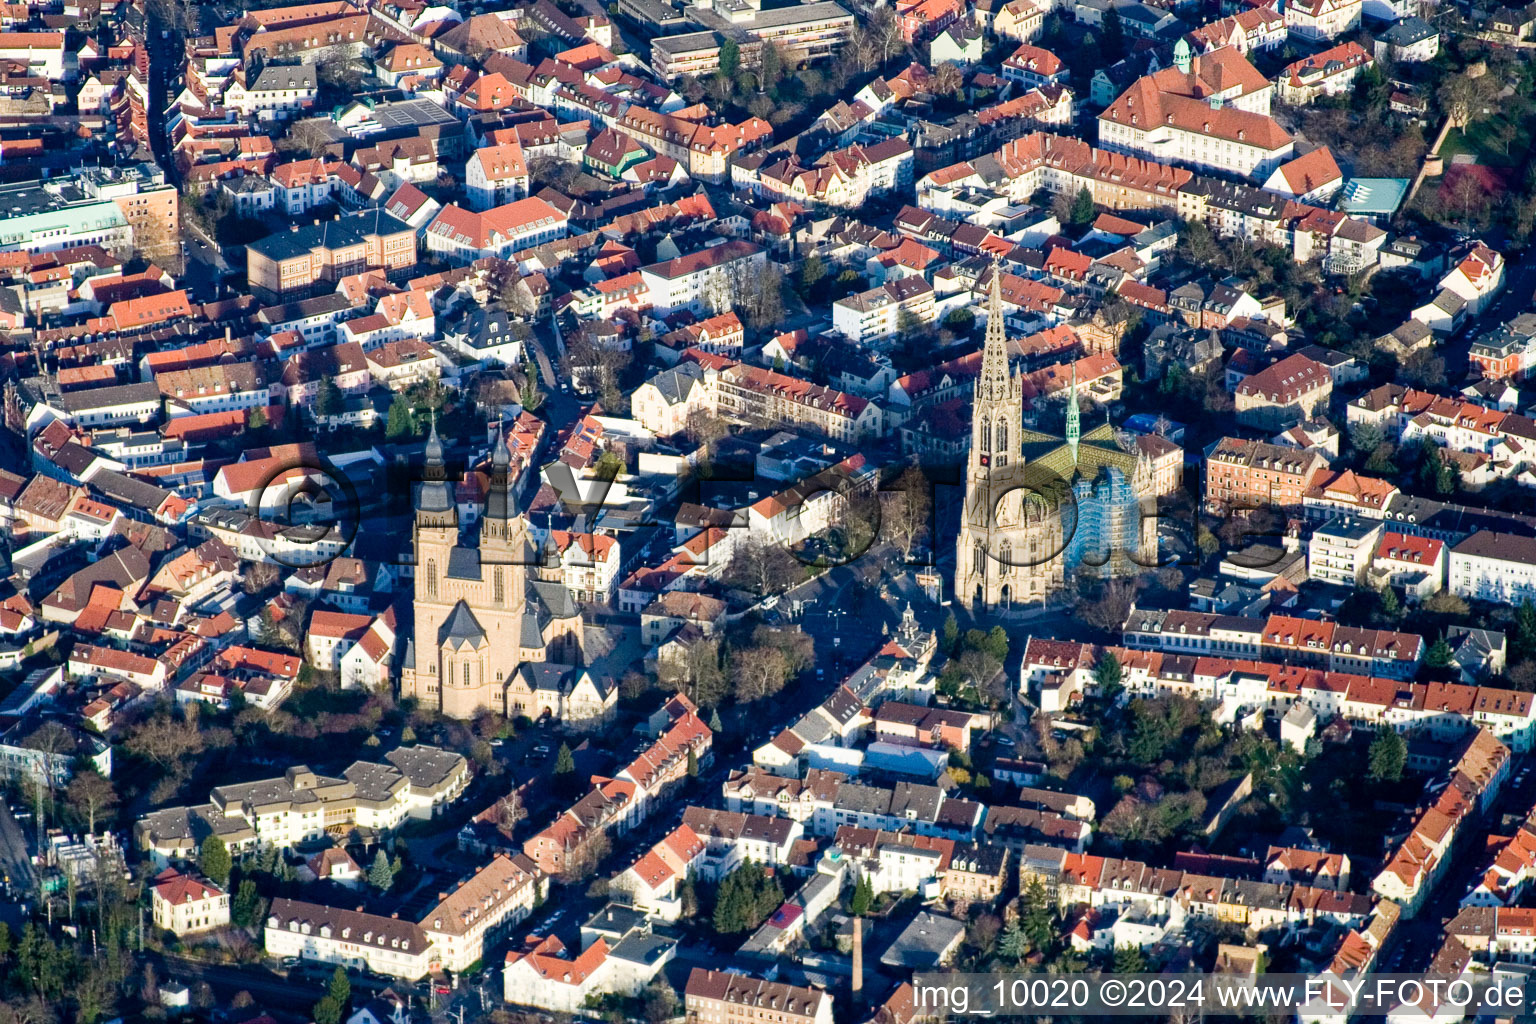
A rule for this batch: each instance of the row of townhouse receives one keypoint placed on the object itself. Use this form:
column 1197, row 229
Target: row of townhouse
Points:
column 843, row 179
column 813, row 505
column 416, row 782
column 1496, row 934
column 1120, row 181
column 705, row 152
column 620, row 803
column 729, row 839
column 264, row 679
column 1109, row 887
column 824, row 801
column 750, row 394
column 932, row 866
column 1503, row 441
column 1062, row 671
column 1510, row 869
column 1415, row 867
column 1309, row 643
column 653, row 883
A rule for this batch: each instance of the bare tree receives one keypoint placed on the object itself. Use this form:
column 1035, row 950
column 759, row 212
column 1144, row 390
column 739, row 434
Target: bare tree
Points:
column 886, row 32
column 758, row 672
column 597, row 367
column 309, row 136
column 507, row 286
column 948, row 79
column 164, row 740
column 763, row 567
column 256, row 577
column 582, row 863
column 91, row 794
column 908, row 505
column 1108, row 611
column 154, row 242
column 697, row 672
column 510, row 811
column 706, row 429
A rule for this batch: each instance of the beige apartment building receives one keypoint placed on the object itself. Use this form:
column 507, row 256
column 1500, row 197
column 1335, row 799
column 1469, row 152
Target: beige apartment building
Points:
column 718, row 997
column 481, row 910
column 302, row 805
column 293, row 264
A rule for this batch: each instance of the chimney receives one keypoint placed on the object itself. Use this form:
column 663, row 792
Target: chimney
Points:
column 858, row 959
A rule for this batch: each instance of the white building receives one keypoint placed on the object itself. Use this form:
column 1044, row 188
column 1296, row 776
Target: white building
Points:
column 349, row 938
column 545, row 974
column 1207, row 111
column 41, row 53
column 464, row 236
column 496, row 175
column 276, row 92
column 881, row 313
column 1341, row 550
column 185, row 905
column 707, row 280
column 1477, row 278
column 1497, row 567
column 589, row 563
column 1320, row 20
column 1410, row 41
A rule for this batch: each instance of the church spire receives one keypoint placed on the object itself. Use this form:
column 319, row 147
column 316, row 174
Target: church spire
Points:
column 1074, row 417
column 435, row 494
column 994, row 382
column 498, row 501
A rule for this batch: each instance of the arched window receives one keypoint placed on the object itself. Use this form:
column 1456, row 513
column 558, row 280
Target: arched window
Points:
column 466, row 673
column 977, row 559
column 1002, row 437
column 499, row 586
column 431, row 577
column 1005, row 555
column 986, row 435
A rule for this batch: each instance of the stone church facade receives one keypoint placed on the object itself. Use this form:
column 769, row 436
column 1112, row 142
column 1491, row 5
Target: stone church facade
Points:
column 1039, row 507
column 494, row 628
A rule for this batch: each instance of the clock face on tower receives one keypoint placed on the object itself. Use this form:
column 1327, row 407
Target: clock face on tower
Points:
column 986, row 460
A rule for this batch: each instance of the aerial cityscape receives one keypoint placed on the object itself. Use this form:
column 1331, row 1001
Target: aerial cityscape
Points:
column 727, row 511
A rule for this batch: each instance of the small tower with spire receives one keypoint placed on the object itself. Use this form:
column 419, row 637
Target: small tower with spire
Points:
column 1183, row 57
column 1074, row 417
column 435, row 504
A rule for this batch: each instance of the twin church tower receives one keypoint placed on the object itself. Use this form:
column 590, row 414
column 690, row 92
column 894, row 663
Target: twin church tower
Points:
column 485, row 615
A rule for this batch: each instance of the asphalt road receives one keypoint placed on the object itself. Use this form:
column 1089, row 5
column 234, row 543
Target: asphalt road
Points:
column 15, row 860
column 228, row 979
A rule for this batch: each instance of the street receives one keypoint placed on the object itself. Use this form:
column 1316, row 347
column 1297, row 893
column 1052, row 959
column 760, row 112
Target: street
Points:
column 228, row 979
column 14, row 859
